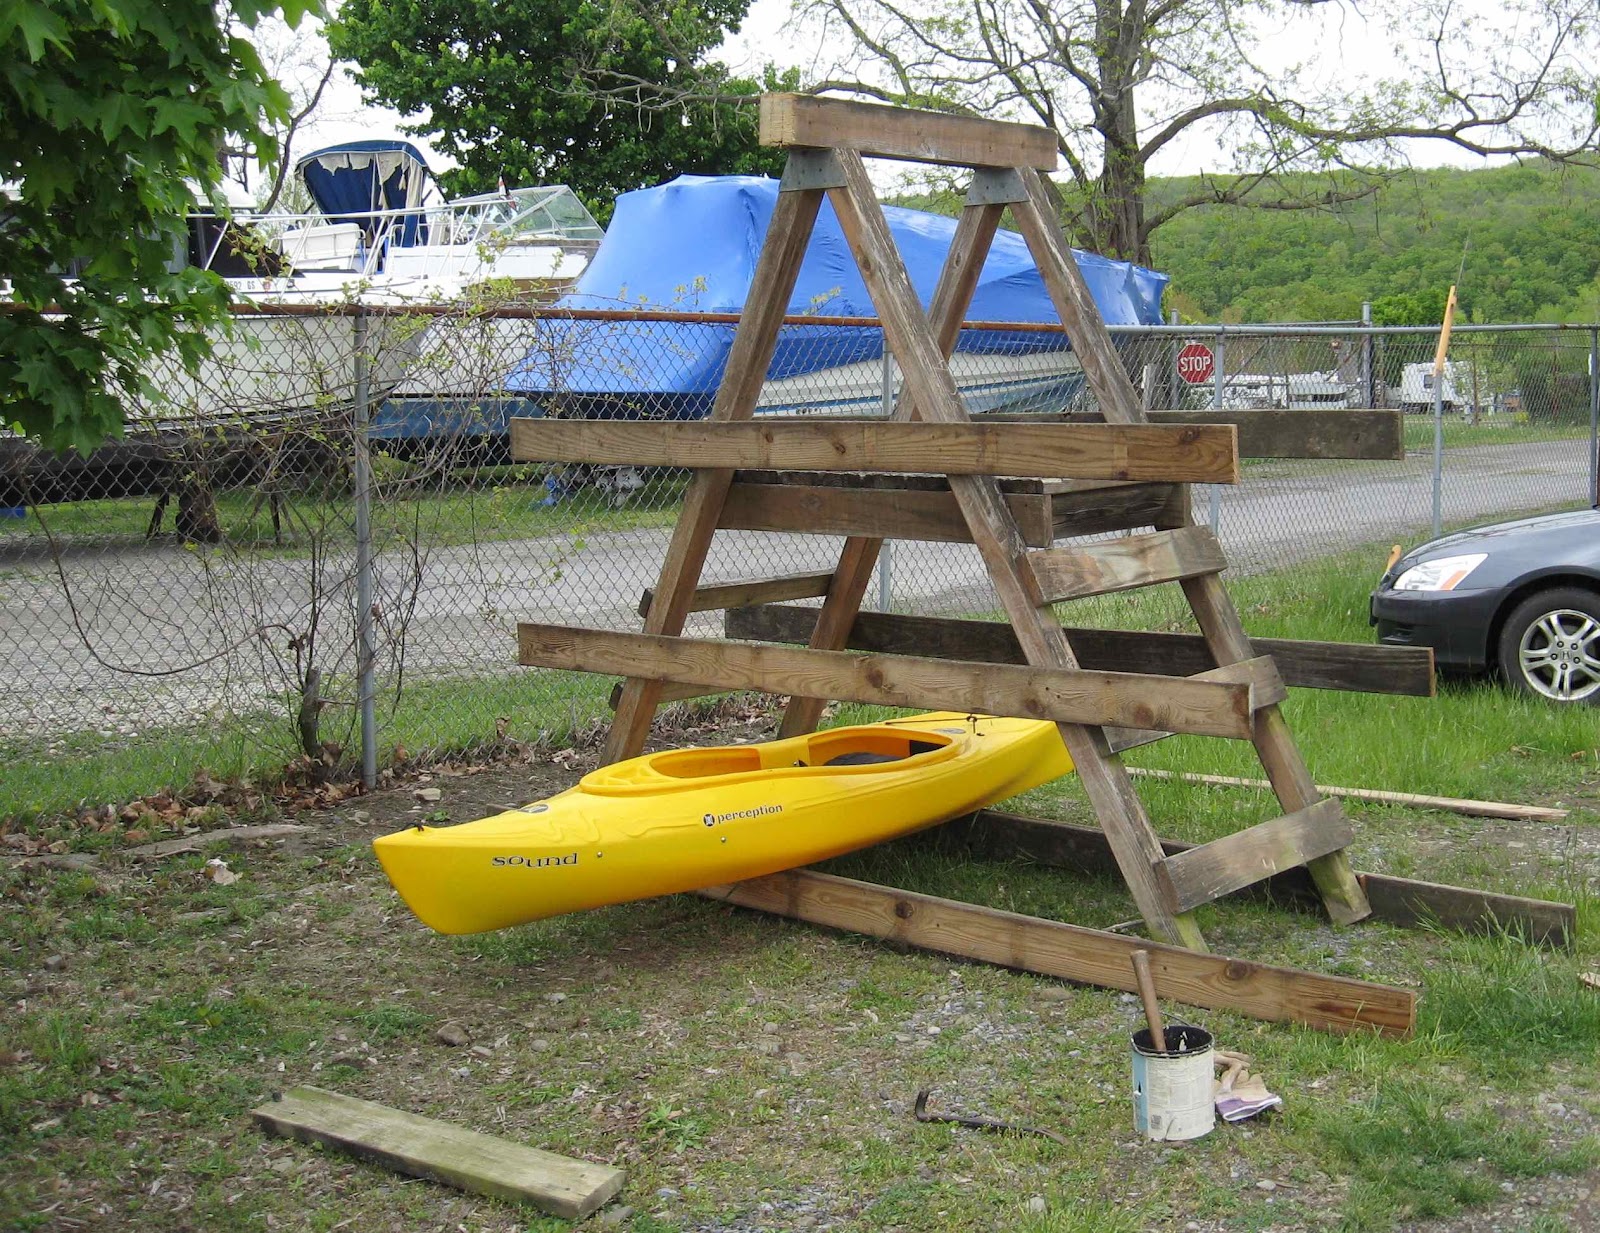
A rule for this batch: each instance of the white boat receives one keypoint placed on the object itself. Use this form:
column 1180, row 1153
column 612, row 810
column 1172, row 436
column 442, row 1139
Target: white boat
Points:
column 380, row 234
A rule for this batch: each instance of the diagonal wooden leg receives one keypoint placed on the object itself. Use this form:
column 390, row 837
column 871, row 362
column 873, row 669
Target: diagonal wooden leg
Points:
column 951, row 298
column 754, row 341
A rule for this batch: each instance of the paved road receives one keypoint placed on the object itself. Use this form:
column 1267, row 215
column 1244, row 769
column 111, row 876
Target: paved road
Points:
column 177, row 636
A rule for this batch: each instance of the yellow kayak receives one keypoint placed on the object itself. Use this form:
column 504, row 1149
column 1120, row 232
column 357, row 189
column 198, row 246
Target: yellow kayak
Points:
column 690, row 818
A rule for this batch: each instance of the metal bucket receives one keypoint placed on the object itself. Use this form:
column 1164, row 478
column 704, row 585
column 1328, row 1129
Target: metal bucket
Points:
column 1172, row 1091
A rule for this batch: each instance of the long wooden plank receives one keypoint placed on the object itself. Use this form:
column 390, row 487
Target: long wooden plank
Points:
column 1029, row 944
column 930, row 384
column 1399, row 901
column 1127, row 563
column 424, row 1147
column 1202, row 453
column 879, row 513
column 1065, row 695
column 1094, row 509
column 754, row 341
column 1237, row 860
column 1405, row 671
column 1362, row 432
column 1414, row 800
column 903, row 133
column 744, row 592
column 952, row 296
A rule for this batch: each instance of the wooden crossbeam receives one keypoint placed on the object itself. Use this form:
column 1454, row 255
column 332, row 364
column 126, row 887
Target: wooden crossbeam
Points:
column 1399, row 901
column 1201, row 453
column 1348, row 666
column 1029, row 944
column 1310, row 433
column 879, row 513
column 1067, row 695
column 1126, row 564
column 746, row 591
column 1244, row 857
column 901, row 133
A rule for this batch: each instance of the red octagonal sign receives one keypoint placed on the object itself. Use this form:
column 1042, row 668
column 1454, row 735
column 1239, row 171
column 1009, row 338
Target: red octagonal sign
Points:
column 1196, row 364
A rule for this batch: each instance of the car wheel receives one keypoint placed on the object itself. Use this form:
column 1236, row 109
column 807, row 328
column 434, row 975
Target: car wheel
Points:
column 1550, row 645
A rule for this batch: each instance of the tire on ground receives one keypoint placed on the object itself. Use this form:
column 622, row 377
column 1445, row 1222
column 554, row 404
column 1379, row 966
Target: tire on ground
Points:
column 1560, row 614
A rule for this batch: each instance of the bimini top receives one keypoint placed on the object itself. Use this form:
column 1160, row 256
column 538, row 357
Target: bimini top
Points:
column 692, row 245
column 355, row 179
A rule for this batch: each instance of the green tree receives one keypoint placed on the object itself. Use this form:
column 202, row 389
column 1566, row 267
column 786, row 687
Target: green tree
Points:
column 1122, row 82
column 602, row 96
column 112, row 114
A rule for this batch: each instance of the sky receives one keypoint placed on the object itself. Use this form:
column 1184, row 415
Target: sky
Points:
column 1342, row 41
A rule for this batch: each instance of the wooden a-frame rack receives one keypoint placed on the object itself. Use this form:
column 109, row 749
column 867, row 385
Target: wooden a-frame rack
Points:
column 1123, row 474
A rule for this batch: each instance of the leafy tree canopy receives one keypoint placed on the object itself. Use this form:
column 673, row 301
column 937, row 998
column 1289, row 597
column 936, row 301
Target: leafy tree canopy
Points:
column 604, row 97
column 1123, row 82
column 110, row 110
column 1523, row 242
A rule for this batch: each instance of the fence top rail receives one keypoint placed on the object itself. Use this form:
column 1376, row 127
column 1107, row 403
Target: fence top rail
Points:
column 546, row 312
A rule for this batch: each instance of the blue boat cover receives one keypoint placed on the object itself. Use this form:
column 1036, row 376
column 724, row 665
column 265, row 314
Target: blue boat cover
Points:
column 354, row 179
column 692, row 245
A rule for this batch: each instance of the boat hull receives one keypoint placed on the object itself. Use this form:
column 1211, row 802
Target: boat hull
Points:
column 687, row 819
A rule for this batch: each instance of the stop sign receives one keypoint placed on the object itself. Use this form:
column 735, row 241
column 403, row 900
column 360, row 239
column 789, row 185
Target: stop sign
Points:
column 1196, row 363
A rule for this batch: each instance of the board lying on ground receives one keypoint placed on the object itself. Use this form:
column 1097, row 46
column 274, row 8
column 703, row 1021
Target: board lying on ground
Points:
column 423, row 1147
column 688, row 818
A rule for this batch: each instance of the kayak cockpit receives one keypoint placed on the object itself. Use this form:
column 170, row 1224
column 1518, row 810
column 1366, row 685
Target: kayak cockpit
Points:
column 862, row 750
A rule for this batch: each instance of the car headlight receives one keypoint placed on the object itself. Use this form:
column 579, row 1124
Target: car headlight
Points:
column 1440, row 574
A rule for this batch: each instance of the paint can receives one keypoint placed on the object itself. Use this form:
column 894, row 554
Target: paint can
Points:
column 1172, row 1090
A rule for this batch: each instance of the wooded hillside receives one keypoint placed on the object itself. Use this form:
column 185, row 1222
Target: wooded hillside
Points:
column 1532, row 235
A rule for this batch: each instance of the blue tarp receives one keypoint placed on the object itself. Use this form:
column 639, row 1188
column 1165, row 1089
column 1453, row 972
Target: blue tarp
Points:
column 358, row 178
column 692, row 246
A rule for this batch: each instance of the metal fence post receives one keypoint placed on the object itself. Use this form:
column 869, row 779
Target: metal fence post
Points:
column 366, row 655
column 886, row 549
column 1594, row 417
column 1369, row 387
column 1438, row 454
column 1216, row 401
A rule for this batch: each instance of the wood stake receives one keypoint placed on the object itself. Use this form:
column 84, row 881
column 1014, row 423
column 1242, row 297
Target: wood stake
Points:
column 1147, row 994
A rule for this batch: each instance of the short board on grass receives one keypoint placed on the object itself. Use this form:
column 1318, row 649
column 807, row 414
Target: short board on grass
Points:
column 423, row 1147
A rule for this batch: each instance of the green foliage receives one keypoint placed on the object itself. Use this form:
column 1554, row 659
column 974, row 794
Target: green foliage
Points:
column 602, row 97
column 107, row 108
column 1530, row 236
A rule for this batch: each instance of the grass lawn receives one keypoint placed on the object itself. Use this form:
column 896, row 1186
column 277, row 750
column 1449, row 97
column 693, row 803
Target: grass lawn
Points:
column 752, row 1073
column 1489, row 430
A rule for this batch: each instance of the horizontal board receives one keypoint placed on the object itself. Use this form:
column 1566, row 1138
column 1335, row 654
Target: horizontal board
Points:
column 423, row 1147
column 902, row 133
column 1399, row 901
column 1308, row 665
column 1336, row 432
column 1070, row 952
column 743, row 592
column 1235, row 861
column 1123, row 699
column 882, row 513
column 1180, row 453
column 1126, row 564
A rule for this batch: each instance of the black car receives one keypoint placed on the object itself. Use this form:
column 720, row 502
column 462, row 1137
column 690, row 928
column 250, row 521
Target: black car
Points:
column 1521, row 598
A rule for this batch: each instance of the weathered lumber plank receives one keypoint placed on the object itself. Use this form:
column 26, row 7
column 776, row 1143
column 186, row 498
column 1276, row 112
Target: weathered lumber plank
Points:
column 1093, row 509
column 878, row 513
column 952, row 296
column 1304, row 665
column 1416, row 800
column 1066, row 695
column 1237, row 860
column 754, row 341
column 1399, row 901
column 902, row 133
column 424, row 1147
column 1313, row 433
column 745, row 592
column 1201, row 453
column 1126, row 564
column 930, row 384
column 1050, row 948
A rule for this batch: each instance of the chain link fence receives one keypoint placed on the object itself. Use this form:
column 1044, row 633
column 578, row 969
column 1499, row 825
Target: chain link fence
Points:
column 333, row 490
